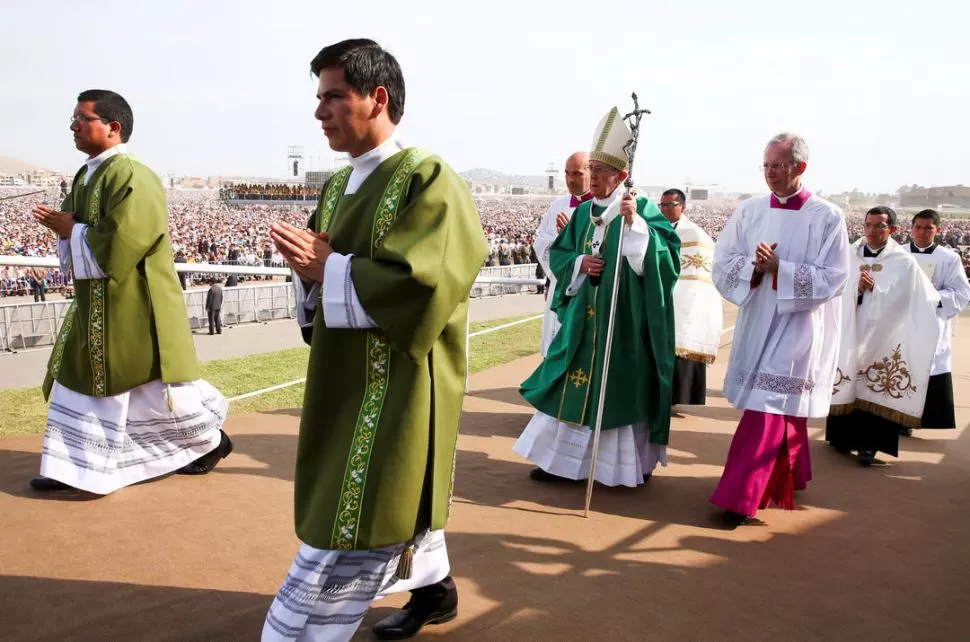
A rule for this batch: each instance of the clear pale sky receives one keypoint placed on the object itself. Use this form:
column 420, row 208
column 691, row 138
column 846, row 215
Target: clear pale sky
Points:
column 879, row 89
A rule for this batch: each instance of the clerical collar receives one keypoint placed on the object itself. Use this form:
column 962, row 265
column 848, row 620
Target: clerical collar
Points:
column 574, row 200
column 94, row 163
column 868, row 251
column 609, row 200
column 915, row 249
column 792, row 202
column 368, row 161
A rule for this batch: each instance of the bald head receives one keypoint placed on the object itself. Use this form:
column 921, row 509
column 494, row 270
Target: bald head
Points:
column 577, row 173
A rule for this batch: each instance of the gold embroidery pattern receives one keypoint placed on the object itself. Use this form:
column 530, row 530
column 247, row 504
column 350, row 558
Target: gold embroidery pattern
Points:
column 66, row 325
column 840, row 378
column 889, row 377
column 579, row 378
column 387, row 210
column 330, row 197
column 347, row 523
column 696, row 261
column 865, row 267
column 96, row 313
column 590, row 312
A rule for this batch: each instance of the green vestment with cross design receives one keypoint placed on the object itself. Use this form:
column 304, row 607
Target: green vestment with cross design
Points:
column 378, row 434
column 566, row 385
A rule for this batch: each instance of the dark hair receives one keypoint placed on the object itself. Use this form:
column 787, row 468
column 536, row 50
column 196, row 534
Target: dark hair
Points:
column 888, row 211
column 675, row 192
column 366, row 67
column 933, row 214
column 112, row 107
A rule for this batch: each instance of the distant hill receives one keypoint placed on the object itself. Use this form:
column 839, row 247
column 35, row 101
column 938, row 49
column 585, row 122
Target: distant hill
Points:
column 13, row 166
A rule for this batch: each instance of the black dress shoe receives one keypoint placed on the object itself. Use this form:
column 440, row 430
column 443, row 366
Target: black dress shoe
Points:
column 734, row 520
column 207, row 462
column 537, row 474
column 906, row 432
column 867, row 457
column 435, row 604
column 46, row 484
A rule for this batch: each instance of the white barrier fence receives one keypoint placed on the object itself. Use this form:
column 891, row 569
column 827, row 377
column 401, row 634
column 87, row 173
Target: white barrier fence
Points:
column 29, row 325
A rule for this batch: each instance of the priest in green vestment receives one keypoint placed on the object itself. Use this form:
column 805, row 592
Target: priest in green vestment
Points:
column 382, row 278
column 127, row 400
column 565, row 388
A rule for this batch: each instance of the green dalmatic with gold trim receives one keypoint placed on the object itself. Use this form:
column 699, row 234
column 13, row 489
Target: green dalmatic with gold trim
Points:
column 378, row 435
column 567, row 383
column 130, row 328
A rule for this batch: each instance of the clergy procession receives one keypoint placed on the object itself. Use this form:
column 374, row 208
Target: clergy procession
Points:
column 855, row 335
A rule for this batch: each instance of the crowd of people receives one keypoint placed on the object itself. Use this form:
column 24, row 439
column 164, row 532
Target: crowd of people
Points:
column 268, row 192
column 205, row 228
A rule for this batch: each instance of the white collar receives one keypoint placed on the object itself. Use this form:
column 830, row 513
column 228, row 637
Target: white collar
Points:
column 368, row 161
column 923, row 249
column 784, row 199
column 609, row 200
column 612, row 205
column 95, row 163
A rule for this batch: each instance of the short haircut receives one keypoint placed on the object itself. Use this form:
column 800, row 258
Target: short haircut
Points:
column 366, row 67
column 797, row 145
column 111, row 107
column 931, row 214
column 888, row 211
column 675, row 192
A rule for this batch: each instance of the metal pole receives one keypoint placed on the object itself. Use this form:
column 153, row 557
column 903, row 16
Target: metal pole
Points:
column 468, row 326
column 601, row 402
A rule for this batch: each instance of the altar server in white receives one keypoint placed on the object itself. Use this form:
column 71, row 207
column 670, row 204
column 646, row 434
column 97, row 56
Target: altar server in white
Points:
column 945, row 269
column 886, row 353
column 552, row 223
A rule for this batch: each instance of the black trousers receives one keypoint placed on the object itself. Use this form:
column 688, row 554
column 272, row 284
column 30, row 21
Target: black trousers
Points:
column 215, row 320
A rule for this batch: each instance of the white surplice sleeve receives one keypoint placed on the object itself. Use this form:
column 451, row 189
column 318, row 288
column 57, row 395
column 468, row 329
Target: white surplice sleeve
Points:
column 733, row 267
column 64, row 255
column 306, row 301
column 341, row 305
column 955, row 291
column 636, row 242
column 82, row 258
column 545, row 237
column 805, row 286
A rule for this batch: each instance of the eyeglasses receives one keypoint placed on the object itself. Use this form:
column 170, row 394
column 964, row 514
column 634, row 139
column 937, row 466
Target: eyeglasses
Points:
column 875, row 226
column 601, row 170
column 764, row 167
column 673, row 204
column 77, row 119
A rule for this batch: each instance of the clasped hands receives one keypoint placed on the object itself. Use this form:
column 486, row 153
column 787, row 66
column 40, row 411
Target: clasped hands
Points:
column 305, row 251
column 766, row 261
column 61, row 223
column 866, row 282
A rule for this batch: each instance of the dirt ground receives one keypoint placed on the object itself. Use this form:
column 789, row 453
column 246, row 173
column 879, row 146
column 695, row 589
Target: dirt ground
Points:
column 871, row 554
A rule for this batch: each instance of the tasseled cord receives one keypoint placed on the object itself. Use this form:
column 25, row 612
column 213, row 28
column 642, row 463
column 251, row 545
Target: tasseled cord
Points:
column 171, row 398
column 405, row 562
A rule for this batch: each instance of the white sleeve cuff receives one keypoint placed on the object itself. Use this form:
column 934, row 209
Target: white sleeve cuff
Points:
column 64, row 255
column 636, row 242
column 578, row 279
column 85, row 265
column 341, row 305
column 306, row 301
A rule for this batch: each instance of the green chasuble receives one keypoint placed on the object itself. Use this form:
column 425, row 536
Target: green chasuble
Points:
column 376, row 453
column 131, row 327
column 567, row 383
